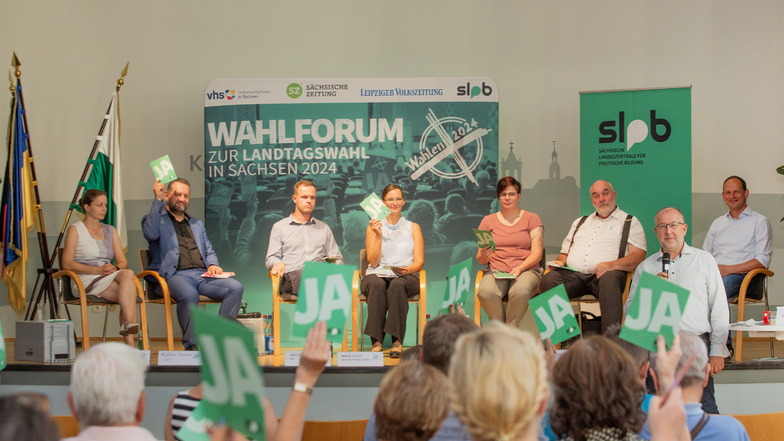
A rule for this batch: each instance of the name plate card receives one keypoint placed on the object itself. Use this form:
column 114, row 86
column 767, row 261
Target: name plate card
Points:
column 145, row 356
column 292, row 359
column 355, row 359
column 179, row 358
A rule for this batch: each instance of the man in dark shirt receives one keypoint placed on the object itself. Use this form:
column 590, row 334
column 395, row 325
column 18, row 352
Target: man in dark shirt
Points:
column 182, row 254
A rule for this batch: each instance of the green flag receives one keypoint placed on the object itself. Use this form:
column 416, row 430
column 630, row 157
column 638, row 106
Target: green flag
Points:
column 105, row 172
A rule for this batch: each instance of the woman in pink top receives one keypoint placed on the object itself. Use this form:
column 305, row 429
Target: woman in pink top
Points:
column 519, row 241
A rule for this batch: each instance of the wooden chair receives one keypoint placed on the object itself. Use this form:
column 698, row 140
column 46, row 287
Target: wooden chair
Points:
column 67, row 297
column 353, row 430
column 357, row 311
column 763, row 426
column 290, row 299
column 166, row 299
column 66, row 425
column 277, row 299
column 741, row 301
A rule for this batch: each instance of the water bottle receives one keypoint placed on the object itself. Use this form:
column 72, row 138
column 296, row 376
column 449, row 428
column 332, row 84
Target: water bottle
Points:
column 269, row 339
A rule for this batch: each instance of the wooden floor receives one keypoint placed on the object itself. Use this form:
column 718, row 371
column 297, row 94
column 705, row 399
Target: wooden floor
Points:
column 753, row 349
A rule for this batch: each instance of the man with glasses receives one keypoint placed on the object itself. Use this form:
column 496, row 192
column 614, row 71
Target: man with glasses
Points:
column 706, row 313
column 300, row 238
column 740, row 241
column 599, row 251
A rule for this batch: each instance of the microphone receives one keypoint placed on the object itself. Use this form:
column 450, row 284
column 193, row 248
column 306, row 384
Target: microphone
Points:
column 666, row 263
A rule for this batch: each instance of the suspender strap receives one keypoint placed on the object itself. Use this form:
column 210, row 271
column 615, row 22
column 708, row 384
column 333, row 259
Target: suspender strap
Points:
column 700, row 424
column 627, row 225
column 571, row 242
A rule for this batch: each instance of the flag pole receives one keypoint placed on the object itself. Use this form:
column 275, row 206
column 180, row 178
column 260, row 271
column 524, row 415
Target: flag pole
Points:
column 47, row 288
column 49, row 258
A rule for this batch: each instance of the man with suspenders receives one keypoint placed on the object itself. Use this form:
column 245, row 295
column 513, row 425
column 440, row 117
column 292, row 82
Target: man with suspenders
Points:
column 599, row 251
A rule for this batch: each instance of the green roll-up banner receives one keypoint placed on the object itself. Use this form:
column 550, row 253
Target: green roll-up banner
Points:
column 640, row 141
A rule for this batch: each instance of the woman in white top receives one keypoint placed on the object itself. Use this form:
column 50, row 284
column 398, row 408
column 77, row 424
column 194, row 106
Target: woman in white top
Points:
column 396, row 254
column 89, row 249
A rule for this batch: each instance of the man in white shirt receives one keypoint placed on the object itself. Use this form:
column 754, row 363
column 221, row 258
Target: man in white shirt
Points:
column 299, row 238
column 107, row 394
column 601, row 248
column 706, row 313
column 740, row 241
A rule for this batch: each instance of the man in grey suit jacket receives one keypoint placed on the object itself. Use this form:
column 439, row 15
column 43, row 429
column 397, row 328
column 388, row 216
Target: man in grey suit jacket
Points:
column 182, row 254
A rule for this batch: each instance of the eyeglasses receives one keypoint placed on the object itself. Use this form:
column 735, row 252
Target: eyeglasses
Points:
column 511, row 194
column 393, row 200
column 672, row 225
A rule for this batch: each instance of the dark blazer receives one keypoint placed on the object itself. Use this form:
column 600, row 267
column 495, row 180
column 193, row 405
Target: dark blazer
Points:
column 158, row 229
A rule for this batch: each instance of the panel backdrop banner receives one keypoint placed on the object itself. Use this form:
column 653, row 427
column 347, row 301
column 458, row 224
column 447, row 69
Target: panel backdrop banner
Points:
column 640, row 141
column 435, row 137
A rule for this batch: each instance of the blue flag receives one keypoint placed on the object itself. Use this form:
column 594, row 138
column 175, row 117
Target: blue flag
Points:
column 17, row 206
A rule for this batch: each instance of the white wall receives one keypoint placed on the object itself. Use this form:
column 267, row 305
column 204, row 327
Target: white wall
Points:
column 541, row 54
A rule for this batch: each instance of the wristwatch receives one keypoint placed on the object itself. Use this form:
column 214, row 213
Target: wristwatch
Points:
column 302, row 387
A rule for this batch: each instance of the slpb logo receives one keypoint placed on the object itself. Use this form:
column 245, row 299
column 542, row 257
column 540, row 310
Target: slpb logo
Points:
column 221, row 95
column 485, row 90
column 636, row 132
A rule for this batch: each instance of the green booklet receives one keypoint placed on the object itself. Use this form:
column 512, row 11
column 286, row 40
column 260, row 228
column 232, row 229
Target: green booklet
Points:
column 233, row 387
column 503, row 275
column 553, row 264
column 375, row 207
column 554, row 316
column 484, row 238
column 655, row 309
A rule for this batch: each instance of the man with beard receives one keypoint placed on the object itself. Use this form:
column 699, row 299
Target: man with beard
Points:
column 182, row 254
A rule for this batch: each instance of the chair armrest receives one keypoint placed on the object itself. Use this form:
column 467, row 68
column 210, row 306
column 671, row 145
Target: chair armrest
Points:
column 159, row 280
column 73, row 276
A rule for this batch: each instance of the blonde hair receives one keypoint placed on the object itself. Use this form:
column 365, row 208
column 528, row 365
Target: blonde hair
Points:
column 499, row 380
column 412, row 402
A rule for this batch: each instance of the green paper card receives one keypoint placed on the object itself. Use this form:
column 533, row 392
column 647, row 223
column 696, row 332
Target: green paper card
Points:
column 484, row 238
column 163, row 169
column 656, row 309
column 233, row 387
column 375, row 207
column 458, row 285
column 324, row 295
column 554, row 316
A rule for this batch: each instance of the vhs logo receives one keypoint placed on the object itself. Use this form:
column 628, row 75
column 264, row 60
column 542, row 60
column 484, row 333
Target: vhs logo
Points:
column 224, row 95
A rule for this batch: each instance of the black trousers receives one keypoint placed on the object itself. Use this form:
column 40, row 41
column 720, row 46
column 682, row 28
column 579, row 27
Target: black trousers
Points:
column 387, row 300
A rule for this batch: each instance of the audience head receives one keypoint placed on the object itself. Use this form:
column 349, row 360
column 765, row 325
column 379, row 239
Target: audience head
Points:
column 499, row 383
column 25, row 417
column 422, row 212
column 455, row 204
column 440, row 336
column 504, row 184
column 697, row 374
column 483, row 179
column 596, row 386
column 412, row 402
column 640, row 356
column 107, row 386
